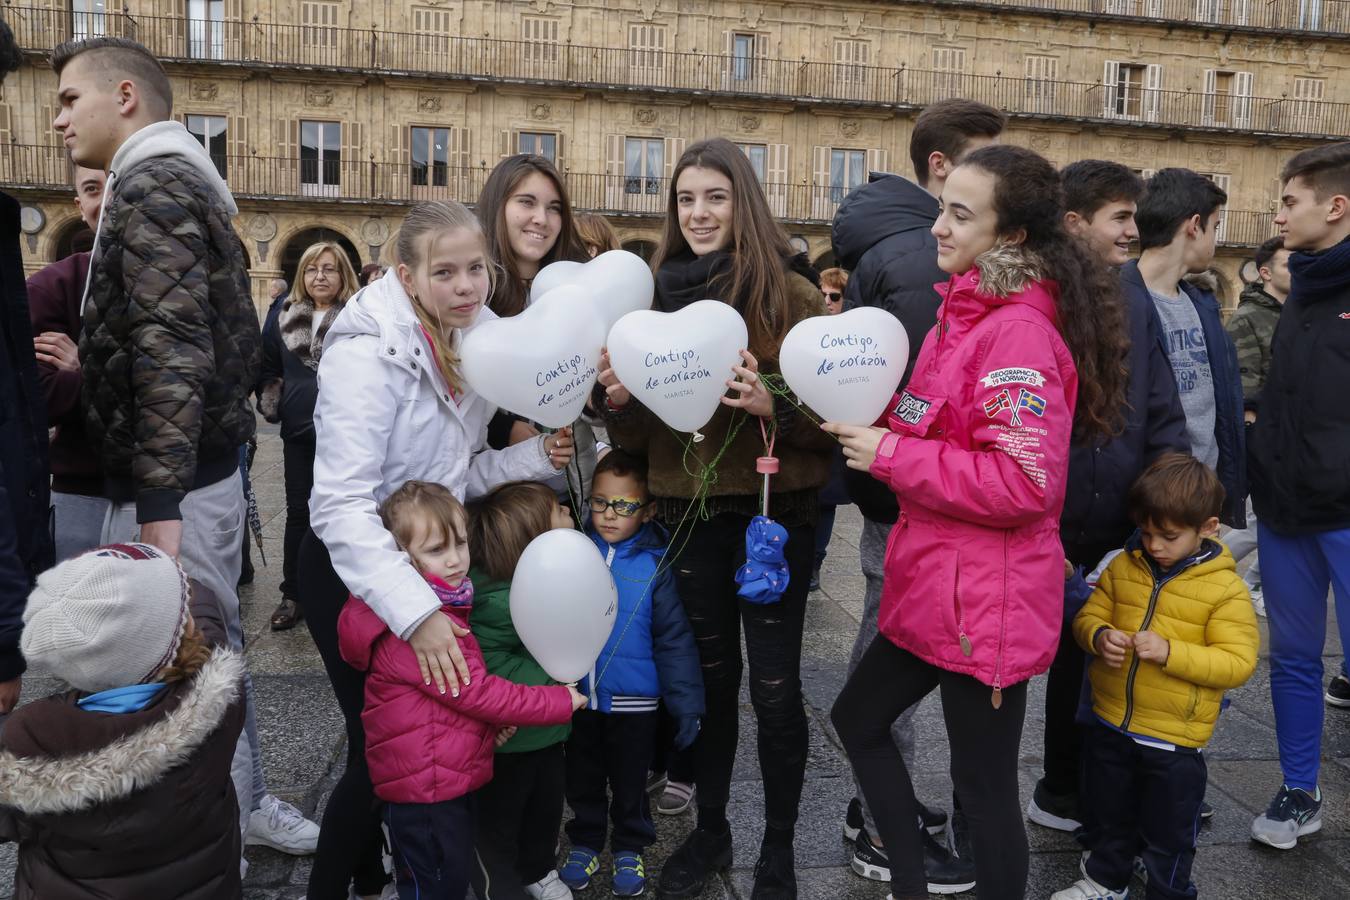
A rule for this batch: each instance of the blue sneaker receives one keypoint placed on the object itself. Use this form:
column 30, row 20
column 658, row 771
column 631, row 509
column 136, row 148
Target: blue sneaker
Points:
column 630, row 876
column 1293, row 814
column 581, row 864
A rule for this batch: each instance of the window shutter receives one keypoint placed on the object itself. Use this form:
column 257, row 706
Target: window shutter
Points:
column 674, row 150
column 508, row 143
column 1110, row 88
column 560, row 152
column 614, row 147
column 237, row 165
column 290, row 150
column 1242, row 100
column 462, row 181
column 1148, row 173
column 1221, row 230
column 1153, row 93
column 234, row 28
column 821, row 208
column 354, row 173
column 776, row 178
column 1211, row 81
column 877, row 161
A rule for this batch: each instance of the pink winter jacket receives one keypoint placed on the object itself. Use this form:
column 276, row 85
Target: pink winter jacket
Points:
column 423, row 746
column 978, row 457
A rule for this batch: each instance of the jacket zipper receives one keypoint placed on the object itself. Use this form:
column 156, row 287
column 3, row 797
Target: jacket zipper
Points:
column 595, row 690
column 996, row 697
column 966, row 648
column 1158, row 585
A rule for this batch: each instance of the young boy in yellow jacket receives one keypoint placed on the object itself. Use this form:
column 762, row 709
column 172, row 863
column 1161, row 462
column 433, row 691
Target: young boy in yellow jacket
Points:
column 1171, row 627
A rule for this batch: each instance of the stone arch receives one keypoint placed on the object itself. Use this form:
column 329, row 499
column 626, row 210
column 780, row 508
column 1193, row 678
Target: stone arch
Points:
column 643, row 247
column 300, row 239
column 70, row 236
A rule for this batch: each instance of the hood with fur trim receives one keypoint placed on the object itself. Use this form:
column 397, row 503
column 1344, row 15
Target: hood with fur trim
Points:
column 36, row 781
column 1006, row 269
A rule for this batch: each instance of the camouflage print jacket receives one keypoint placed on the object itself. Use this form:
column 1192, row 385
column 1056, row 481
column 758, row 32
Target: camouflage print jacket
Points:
column 171, row 345
column 1252, row 328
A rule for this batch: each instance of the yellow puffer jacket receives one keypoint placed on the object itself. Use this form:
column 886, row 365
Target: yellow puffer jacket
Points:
column 1204, row 612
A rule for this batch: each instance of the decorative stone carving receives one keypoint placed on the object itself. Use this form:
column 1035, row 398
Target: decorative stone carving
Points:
column 1040, row 142
column 1128, row 147
column 850, row 128
column 949, row 29
column 1216, row 155
column 748, row 122
column 375, row 232
column 204, row 90
column 261, row 227
column 648, row 9
column 318, row 95
column 1314, row 54
column 541, row 111
column 429, row 102
column 644, row 115
column 853, row 23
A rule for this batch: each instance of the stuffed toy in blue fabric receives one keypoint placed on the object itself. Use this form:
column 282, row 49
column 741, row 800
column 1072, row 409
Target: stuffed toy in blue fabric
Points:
column 764, row 576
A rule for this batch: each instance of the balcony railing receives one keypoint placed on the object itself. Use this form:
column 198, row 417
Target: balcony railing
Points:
column 1312, row 16
column 355, row 181
column 488, row 59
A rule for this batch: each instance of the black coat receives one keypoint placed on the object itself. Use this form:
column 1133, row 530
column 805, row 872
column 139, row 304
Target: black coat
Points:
column 882, row 235
column 25, row 532
column 1100, row 474
column 288, row 388
column 1300, row 444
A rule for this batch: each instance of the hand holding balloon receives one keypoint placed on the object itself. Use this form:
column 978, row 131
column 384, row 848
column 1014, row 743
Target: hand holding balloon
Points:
column 615, row 393
column 561, row 448
column 860, row 443
column 751, row 395
column 578, row 699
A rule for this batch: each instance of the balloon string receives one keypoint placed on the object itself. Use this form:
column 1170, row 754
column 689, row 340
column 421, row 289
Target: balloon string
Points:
column 696, row 509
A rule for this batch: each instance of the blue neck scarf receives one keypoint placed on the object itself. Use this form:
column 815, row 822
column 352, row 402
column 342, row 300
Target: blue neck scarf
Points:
column 1321, row 275
column 132, row 698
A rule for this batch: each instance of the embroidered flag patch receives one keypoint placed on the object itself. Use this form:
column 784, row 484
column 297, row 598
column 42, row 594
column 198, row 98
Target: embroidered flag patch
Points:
column 1032, row 403
column 997, row 404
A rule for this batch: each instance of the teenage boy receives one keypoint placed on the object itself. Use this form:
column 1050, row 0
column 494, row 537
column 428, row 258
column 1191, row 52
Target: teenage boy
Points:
column 1252, row 328
column 169, row 350
column 1171, row 628
column 1100, row 198
column 882, row 234
column 1177, row 218
column 1300, row 480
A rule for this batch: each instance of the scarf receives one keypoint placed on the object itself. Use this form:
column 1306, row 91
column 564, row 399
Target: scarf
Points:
column 299, row 333
column 1320, row 275
column 461, row 595
column 685, row 278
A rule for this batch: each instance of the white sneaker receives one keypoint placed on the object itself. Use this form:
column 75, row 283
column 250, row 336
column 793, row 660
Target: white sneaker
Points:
column 550, row 887
column 1087, row 889
column 279, row 825
column 1258, row 600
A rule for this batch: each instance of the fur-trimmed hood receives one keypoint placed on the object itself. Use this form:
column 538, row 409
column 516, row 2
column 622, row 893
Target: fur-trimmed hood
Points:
column 1001, row 276
column 301, row 333
column 44, row 785
column 1006, row 269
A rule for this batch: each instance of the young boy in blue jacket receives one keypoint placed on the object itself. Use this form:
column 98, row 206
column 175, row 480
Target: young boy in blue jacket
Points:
column 650, row 656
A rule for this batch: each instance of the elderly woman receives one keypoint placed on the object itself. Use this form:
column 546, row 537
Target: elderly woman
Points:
column 292, row 345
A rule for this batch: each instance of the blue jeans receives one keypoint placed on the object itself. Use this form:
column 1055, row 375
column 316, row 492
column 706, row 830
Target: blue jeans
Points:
column 432, row 846
column 1296, row 573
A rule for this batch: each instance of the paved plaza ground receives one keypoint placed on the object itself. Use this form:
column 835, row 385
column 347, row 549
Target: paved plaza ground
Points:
column 303, row 749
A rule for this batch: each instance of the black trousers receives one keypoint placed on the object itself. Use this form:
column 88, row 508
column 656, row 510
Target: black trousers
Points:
column 1063, row 688
column 297, row 458
column 350, row 839
column 432, row 846
column 984, row 753
column 705, row 577
column 1141, row 801
column 607, row 774
column 519, row 813
column 678, row 765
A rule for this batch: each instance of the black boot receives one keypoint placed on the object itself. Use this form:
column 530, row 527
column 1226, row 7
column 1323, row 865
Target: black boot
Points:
column 702, row 855
column 775, row 873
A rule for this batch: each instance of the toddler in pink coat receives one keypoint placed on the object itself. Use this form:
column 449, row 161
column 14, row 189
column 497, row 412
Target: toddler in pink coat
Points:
column 428, row 751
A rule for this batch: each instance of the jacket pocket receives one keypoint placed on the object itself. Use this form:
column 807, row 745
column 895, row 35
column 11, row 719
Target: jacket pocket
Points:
column 1194, row 703
column 917, row 413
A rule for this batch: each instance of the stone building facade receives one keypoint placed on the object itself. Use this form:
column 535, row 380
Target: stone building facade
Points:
column 328, row 117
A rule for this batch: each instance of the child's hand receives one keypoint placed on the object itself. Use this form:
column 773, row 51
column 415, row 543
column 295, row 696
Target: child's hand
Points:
column 1068, row 570
column 1111, row 646
column 1151, row 647
column 686, row 732
column 578, row 699
column 616, row 394
column 504, row 735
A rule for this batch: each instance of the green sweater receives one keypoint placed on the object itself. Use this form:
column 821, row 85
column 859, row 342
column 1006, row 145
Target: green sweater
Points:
column 506, row 657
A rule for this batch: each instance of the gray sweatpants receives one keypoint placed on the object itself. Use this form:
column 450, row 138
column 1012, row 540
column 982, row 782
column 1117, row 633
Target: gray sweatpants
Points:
column 1242, row 542
column 872, row 550
column 210, row 553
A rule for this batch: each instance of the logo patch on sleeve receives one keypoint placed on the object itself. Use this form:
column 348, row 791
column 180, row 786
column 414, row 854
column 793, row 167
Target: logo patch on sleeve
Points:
column 1013, row 375
column 910, row 409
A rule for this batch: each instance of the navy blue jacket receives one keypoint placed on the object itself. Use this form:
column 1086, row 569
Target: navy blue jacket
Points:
column 882, row 235
column 651, row 653
column 25, row 501
column 1100, row 474
column 1228, row 420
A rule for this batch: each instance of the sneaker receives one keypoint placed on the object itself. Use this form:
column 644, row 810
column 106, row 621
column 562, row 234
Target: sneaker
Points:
column 1258, row 600
column 279, row 825
column 550, row 887
column 1087, row 889
column 958, row 840
column 1206, row 811
column 1338, row 692
column 1055, row 811
column 869, row 860
column 1292, row 814
column 581, row 864
column 676, row 798
column 775, row 874
column 853, row 820
column 702, row 855
column 630, row 876
column 946, row 872
column 934, row 821
column 656, row 782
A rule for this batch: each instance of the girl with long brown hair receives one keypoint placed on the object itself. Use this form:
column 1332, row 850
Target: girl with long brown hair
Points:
column 721, row 241
column 393, row 408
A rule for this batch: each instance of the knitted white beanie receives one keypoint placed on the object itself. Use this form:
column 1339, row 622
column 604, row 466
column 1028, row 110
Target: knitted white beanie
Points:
column 109, row 618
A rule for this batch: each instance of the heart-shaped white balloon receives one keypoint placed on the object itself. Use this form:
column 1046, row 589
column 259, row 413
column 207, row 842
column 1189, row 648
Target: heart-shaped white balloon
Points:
column 540, row 364
column 616, row 283
column 678, row 363
column 563, row 603
column 554, row 275
column 846, row 367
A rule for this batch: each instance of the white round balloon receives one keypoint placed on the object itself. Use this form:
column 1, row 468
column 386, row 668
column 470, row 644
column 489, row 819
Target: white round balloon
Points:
column 616, row 283
column 677, row 364
column 563, row 603
column 540, row 364
column 846, row 367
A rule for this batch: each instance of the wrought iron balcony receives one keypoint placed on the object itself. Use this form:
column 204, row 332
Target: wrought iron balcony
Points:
column 1312, row 17
column 395, row 184
column 322, row 49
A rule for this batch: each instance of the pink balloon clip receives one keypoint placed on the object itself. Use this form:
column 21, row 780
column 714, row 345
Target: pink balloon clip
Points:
column 767, row 465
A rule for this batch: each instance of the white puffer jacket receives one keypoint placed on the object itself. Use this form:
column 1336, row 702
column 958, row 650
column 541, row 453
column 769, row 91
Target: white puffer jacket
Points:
column 385, row 416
